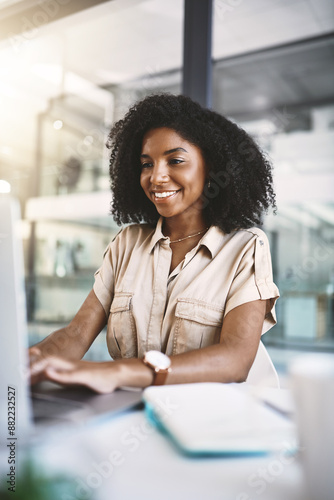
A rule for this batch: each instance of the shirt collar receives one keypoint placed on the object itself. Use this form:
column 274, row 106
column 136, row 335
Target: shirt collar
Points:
column 211, row 240
column 157, row 235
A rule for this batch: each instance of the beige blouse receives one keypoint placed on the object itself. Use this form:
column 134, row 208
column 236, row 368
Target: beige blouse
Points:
column 149, row 308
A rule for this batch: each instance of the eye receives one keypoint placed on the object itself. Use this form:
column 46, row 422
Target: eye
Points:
column 146, row 165
column 175, row 161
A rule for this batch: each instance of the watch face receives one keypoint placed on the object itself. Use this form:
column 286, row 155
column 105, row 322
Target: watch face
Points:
column 158, row 359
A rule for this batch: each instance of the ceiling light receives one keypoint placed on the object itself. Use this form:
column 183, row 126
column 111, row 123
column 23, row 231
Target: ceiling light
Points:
column 58, row 124
column 4, row 186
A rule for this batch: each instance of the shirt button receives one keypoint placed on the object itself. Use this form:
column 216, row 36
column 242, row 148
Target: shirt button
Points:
column 261, row 243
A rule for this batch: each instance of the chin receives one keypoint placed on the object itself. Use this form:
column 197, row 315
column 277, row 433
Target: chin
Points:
column 166, row 213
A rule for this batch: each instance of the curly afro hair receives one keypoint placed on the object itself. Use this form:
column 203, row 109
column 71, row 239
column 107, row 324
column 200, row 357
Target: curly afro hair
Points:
column 240, row 188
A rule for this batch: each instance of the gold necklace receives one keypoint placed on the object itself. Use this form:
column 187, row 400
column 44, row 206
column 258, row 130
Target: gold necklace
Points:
column 191, row 236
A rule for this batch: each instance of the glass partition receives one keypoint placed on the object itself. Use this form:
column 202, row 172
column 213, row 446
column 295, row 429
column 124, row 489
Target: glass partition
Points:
column 284, row 98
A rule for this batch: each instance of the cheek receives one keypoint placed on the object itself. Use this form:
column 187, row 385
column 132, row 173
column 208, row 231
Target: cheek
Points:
column 143, row 181
column 197, row 183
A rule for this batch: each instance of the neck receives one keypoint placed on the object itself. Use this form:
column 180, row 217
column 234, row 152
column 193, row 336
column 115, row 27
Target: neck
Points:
column 176, row 229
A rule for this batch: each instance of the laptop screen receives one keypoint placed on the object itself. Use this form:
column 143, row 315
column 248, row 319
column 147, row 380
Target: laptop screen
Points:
column 13, row 326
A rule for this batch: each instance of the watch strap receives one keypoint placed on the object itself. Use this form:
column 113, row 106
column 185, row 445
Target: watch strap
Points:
column 159, row 376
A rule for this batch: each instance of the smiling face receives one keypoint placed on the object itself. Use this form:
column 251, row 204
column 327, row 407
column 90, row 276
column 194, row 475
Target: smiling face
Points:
column 173, row 173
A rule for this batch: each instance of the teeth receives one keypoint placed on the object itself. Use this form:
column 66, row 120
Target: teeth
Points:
column 164, row 194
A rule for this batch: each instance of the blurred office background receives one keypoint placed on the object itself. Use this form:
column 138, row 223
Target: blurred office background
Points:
column 69, row 69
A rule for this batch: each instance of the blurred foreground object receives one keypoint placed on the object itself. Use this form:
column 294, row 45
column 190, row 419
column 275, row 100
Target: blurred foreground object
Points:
column 312, row 378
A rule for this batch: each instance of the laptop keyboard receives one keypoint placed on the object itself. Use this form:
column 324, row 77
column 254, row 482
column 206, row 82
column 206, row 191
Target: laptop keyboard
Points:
column 49, row 408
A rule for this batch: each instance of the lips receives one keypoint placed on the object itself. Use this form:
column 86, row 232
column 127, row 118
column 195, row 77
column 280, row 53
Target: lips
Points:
column 164, row 195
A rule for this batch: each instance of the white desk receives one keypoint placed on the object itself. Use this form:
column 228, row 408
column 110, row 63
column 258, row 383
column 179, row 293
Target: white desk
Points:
column 147, row 466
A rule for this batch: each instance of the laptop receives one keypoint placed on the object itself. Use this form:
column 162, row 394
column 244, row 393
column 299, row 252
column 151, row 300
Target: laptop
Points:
column 46, row 404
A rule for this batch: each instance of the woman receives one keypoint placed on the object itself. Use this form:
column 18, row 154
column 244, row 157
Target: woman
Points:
column 191, row 278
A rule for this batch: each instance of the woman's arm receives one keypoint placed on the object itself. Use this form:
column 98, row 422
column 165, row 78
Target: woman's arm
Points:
column 72, row 341
column 232, row 358
column 228, row 361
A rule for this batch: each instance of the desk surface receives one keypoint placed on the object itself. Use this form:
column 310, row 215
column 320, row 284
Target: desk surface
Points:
column 124, row 457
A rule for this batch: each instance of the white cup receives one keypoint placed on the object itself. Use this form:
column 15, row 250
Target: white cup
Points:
column 312, row 383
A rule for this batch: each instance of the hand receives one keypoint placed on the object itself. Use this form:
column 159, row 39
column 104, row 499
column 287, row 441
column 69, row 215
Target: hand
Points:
column 101, row 377
column 36, row 365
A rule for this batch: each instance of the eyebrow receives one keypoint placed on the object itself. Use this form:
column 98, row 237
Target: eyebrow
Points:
column 168, row 152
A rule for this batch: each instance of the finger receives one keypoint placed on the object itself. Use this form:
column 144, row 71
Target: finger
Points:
column 61, row 370
column 34, row 350
column 77, row 374
column 34, row 354
column 38, row 368
column 59, row 363
column 64, row 377
column 66, row 373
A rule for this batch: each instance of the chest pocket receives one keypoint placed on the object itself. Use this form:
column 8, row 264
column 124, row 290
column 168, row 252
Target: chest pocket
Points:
column 198, row 324
column 121, row 332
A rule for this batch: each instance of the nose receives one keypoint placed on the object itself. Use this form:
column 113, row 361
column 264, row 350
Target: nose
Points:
column 159, row 174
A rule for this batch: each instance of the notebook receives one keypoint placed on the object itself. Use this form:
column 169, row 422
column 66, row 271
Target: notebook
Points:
column 218, row 419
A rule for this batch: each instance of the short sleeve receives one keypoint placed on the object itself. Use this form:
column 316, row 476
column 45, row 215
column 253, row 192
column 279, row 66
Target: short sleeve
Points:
column 104, row 280
column 253, row 279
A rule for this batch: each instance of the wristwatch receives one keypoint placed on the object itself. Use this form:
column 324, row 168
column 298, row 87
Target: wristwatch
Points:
column 160, row 364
